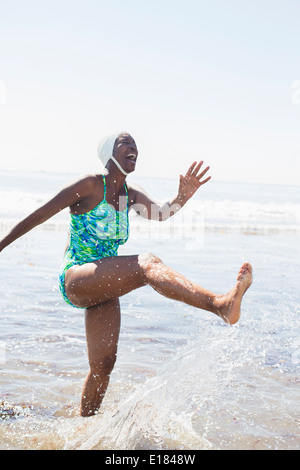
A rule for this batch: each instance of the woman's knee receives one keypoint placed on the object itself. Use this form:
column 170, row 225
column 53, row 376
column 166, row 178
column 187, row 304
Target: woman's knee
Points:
column 148, row 260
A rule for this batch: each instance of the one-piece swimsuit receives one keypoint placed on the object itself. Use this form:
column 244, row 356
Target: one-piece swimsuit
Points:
column 94, row 235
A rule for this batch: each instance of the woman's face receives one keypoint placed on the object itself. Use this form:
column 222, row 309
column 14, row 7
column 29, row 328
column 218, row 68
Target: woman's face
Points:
column 125, row 152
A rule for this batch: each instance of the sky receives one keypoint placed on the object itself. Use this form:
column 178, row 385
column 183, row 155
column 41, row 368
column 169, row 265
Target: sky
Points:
column 211, row 80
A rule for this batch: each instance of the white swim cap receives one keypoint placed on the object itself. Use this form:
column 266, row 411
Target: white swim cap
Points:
column 106, row 147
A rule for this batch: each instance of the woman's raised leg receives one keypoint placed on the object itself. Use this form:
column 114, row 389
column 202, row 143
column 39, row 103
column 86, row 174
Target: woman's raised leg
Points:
column 102, row 323
column 111, row 277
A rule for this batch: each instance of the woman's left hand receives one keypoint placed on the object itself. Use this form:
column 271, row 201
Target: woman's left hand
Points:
column 189, row 183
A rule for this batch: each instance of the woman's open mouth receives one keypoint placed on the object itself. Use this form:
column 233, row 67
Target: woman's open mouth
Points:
column 132, row 157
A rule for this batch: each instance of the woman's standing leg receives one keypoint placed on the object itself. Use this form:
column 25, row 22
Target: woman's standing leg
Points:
column 102, row 324
column 100, row 284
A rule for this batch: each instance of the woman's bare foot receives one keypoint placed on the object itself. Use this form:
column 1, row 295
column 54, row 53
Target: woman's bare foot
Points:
column 228, row 306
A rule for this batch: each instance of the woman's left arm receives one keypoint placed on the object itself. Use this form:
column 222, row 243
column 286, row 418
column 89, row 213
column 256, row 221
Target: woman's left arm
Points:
column 146, row 207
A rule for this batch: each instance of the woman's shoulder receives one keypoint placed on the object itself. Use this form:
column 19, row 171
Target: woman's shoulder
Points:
column 90, row 180
column 136, row 189
column 137, row 194
column 86, row 185
column 133, row 189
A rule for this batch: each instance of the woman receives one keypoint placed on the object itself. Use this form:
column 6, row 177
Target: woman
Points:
column 93, row 276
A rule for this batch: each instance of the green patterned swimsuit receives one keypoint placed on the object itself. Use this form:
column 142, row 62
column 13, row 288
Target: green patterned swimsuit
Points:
column 94, row 235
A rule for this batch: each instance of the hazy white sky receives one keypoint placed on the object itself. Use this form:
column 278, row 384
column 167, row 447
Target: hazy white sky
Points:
column 190, row 80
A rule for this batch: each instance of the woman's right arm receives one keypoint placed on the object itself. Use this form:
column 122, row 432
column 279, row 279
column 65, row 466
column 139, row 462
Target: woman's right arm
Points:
column 68, row 196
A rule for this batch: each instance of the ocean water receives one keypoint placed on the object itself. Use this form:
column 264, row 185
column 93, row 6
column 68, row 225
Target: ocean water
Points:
column 183, row 379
